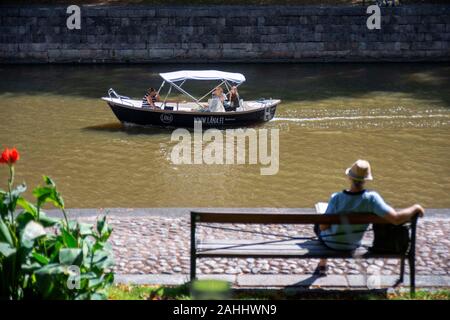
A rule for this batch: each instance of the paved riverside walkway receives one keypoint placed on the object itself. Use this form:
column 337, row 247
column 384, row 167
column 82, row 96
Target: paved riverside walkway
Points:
column 152, row 246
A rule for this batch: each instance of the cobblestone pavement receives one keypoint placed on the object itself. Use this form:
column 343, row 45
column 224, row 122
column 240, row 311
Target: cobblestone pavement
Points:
column 160, row 245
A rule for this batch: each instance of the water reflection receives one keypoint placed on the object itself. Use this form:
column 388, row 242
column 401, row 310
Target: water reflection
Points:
column 292, row 82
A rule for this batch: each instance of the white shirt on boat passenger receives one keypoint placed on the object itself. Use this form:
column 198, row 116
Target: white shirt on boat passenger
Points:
column 215, row 105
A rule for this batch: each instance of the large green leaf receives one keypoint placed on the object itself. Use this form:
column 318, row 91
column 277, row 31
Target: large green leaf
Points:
column 99, row 296
column 102, row 259
column 10, row 200
column 85, row 229
column 69, row 240
column 103, row 229
column 33, row 211
column 40, row 258
column 52, row 268
column 5, row 234
column 23, row 218
column 73, row 226
column 49, row 181
column 3, row 206
column 48, row 221
column 48, row 193
column 70, row 256
column 6, row 249
column 27, row 206
column 30, row 267
column 32, row 231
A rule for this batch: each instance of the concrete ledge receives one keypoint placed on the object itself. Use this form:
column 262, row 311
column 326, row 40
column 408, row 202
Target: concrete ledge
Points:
column 151, row 279
column 290, row 281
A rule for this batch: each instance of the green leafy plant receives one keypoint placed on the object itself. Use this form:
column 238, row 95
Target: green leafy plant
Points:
column 47, row 258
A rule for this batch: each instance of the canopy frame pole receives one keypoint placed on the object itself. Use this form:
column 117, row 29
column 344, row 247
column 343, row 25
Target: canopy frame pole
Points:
column 228, row 87
column 162, row 85
column 210, row 91
column 167, row 95
column 186, row 93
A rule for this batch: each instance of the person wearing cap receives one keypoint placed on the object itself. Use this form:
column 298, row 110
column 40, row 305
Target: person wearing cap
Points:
column 357, row 199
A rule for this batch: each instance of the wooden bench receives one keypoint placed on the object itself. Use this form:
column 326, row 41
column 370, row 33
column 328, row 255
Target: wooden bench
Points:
column 289, row 248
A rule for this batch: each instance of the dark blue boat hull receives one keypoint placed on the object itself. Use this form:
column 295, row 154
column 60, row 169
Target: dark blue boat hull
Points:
column 168, row 118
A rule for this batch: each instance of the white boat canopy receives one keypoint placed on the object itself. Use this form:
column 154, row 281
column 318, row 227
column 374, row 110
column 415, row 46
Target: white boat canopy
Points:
column 202, row 75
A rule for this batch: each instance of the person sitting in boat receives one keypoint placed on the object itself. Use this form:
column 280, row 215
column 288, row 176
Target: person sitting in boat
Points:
column 218, row 94
column 233, row 100
column 148, row 101
column 217, row 101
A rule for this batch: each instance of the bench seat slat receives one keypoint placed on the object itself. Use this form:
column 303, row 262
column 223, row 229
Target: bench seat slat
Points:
column 291, row 248
column 287, row 218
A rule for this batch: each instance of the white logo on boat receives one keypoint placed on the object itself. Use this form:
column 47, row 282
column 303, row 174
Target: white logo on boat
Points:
column 166, row 118
column 210, row 120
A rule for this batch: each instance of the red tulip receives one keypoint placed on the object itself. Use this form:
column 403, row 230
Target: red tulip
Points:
column 9, row 156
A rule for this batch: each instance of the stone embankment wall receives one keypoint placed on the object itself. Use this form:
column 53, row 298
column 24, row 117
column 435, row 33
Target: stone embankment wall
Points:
column 221, row 33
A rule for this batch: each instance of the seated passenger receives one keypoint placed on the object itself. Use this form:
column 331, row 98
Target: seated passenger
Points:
column 233, row 99
column 148, row 101
column 218, row 94
column 216, row 104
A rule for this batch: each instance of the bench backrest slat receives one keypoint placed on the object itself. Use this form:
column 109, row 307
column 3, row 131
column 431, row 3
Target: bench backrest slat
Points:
column 286, row 218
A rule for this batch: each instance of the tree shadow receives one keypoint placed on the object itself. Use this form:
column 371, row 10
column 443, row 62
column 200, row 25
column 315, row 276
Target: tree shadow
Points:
column 294, row 82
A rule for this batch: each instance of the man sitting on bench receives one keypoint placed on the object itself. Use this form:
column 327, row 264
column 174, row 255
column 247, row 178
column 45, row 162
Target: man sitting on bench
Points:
column 357, row 199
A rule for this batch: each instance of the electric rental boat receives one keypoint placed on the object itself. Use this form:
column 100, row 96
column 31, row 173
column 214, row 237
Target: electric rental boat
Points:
column 183, row 114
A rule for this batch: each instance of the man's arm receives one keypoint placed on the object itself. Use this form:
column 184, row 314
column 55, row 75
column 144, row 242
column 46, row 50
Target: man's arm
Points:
column 330, row 210
column 404, row 215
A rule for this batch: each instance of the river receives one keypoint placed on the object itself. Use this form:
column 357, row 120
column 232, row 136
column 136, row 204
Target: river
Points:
column 395, row 115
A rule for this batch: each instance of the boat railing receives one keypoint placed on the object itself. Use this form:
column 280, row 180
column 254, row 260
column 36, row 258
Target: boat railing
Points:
column 113, row 94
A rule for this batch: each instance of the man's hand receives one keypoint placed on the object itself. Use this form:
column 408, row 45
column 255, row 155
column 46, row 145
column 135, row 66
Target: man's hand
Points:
column 418, row 209
column 404, row 215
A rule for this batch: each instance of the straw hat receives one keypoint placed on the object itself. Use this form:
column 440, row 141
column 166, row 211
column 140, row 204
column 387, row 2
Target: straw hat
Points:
column 360, row 171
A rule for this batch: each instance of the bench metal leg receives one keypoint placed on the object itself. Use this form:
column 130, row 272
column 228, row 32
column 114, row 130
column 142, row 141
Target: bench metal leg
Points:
column 412, row 258
column 402, row 270
column 412, row 275
column 193, row 267
column 193, row 248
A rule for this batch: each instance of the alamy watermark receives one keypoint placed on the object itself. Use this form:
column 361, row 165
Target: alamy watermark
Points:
column 229, row 147
column 74, row 20
column 373, row 278
column 374, row 21
column 73, row 281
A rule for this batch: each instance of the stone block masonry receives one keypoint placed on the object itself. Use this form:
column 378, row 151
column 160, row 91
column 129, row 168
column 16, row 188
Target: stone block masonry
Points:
column 141, row 34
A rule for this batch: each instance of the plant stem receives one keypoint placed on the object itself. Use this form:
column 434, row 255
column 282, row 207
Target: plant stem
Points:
column 10, row 185
column 65, row 218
